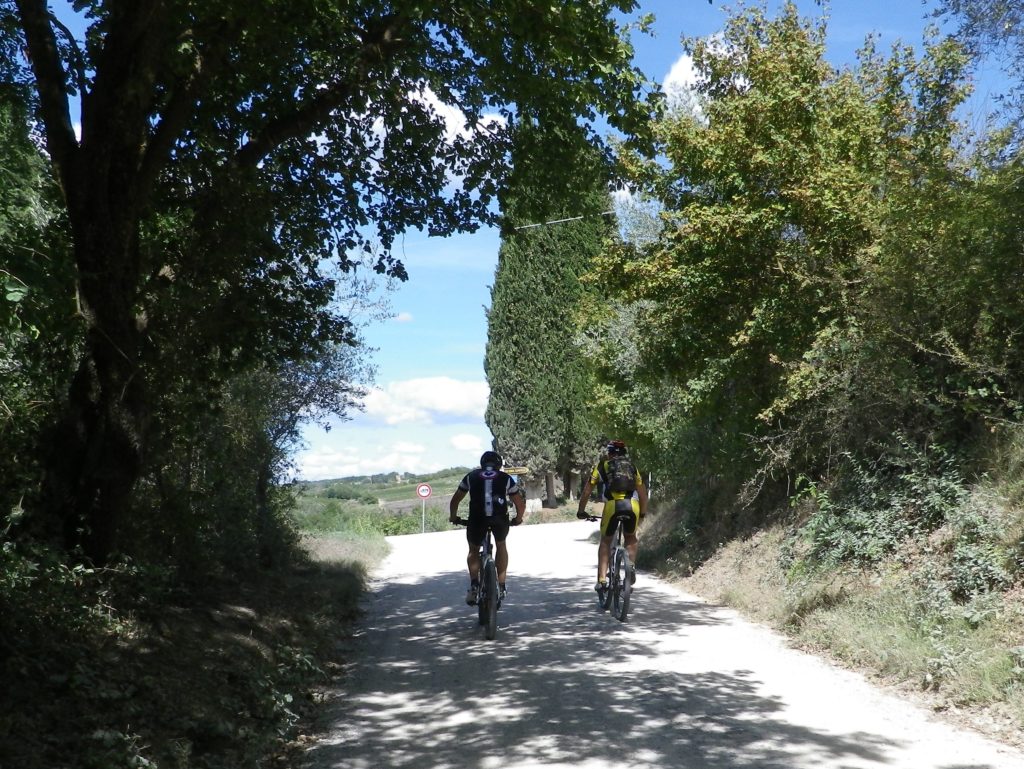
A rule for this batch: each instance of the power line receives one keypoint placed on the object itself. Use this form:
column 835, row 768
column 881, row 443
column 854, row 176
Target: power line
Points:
column 560, row 221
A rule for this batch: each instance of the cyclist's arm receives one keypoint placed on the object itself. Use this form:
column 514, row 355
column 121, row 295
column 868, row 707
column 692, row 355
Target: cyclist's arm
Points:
column 453, row 506
column 585, row 497
column 641, row 494
column 520, row 505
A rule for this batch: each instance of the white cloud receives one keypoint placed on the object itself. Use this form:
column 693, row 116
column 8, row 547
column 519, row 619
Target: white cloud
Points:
column 401, row 456
column 427, row 400
column 679, row 86
column 403, row 317
column 467, row 442
column 317, row 465
column 406, row 447
column 454, row 118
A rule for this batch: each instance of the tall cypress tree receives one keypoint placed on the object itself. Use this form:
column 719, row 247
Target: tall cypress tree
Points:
column 538, row 380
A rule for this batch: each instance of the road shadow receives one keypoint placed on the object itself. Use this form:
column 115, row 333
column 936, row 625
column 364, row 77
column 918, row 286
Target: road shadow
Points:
column 559, row 686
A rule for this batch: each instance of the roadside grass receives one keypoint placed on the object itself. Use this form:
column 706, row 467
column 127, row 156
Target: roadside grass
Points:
column 897, row 622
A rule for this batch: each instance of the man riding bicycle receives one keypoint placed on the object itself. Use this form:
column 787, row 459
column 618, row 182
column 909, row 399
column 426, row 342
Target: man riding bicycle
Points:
column 489, row 492
column 619, row 480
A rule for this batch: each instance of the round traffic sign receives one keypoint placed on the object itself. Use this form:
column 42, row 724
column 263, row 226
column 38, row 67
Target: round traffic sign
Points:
column 423, row 490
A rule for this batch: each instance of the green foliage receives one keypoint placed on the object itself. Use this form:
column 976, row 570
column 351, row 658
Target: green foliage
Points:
column 38, row 337
column 980, row 562
column 539, row 385
column 913, row 502
column 245, row 166
column 345, row 491
column 120, row 667
column 870, row 511
column 833, row 270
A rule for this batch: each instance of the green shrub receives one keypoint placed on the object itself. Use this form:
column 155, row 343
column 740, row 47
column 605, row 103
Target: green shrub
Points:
column 872, row 509
column 348, row 491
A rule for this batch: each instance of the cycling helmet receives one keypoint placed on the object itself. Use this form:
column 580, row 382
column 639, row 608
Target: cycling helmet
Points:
column 615, row 448
column 491, row 459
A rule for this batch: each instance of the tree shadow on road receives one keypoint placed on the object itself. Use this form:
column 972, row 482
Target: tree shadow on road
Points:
column 562, row 685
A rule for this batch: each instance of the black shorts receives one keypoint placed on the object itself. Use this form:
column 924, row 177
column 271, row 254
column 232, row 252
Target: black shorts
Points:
column 628, row 509
column 477, row 526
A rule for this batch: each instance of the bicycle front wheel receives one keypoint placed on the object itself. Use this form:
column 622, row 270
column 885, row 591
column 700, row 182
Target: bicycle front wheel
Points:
column 490, row 589
column 622, row 584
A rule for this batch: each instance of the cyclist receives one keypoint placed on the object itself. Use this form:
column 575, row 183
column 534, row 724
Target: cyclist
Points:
column 490, row 490
column 619, row 479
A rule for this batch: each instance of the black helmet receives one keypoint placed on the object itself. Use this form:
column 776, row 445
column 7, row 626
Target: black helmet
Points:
column 491, row 459
column 615, row 448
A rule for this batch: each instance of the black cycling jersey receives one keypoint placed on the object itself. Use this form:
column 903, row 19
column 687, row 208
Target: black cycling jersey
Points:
column 489, row 493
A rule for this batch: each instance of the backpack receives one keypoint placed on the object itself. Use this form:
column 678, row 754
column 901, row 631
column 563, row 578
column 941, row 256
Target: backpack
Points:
column 620, row 476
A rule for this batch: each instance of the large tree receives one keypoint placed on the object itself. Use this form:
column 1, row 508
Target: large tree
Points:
column 820, row 282
column 539, row 406
column 227, row 148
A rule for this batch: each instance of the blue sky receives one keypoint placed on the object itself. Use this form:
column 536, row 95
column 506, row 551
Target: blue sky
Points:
column 425, row 412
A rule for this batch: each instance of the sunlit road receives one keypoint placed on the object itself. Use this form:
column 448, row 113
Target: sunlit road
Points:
column 681, row 684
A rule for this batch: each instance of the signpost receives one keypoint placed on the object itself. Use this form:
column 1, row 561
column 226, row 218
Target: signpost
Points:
column 423, row 491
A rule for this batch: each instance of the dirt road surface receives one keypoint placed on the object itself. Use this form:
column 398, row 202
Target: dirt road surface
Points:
column 681, row 684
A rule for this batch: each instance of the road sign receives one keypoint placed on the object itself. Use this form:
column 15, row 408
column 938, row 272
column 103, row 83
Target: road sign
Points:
column 423, row 490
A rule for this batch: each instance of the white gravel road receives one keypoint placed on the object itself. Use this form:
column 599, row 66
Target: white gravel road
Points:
column 681, row 684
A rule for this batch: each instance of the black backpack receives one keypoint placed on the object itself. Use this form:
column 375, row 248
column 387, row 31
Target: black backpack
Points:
column 620, row 476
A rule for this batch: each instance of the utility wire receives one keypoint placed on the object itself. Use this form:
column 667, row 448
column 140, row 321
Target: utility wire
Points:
column 560, row 221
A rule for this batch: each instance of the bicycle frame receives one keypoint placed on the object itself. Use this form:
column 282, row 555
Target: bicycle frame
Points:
column 619, row 570
column 487, row 600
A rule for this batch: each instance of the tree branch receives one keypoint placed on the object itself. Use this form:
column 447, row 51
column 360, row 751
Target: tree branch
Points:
column 51, row 84
column 379, row 45
column 78, row 66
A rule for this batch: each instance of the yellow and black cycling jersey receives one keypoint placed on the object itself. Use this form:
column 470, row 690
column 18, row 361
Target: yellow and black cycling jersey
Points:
column 599, row 474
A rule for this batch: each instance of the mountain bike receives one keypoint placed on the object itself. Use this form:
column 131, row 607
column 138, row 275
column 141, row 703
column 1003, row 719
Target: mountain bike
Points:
column 620, row 570
column 488, row 601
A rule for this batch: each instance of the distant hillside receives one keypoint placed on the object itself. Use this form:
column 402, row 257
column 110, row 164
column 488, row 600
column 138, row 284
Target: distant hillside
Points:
column 384, row 486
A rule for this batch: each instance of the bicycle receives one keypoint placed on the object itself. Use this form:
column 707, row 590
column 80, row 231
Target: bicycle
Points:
column 620, row 570
column 488, row 601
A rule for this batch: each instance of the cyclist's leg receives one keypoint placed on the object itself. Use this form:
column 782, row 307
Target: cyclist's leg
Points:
column 501, row 560
column 500, row 551
column 605, row 545
column 630, row 539
column 474, row 536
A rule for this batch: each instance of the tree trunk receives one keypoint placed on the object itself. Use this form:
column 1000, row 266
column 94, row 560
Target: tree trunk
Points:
column 549, row 490
column 96, row 455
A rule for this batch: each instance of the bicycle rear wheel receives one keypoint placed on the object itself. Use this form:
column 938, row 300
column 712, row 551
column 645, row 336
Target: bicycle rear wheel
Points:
column 481, row 596
column 490, row 589
column 622, row 584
